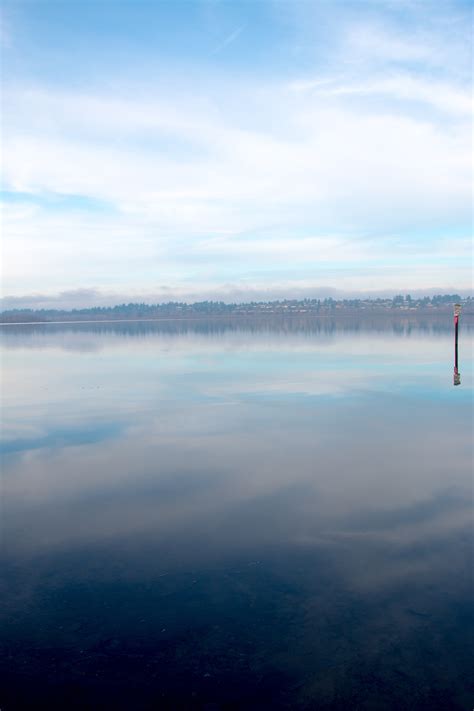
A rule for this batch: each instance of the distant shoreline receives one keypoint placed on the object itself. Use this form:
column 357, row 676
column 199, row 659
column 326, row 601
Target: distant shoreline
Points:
column 405, row 306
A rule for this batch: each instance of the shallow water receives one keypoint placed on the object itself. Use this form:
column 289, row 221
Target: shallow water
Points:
column 241, row 515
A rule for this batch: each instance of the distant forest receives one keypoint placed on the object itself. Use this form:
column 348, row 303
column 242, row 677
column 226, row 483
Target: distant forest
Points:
column 176, row 309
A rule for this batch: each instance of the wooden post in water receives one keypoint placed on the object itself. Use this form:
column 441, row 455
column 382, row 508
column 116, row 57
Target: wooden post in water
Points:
column 457, row 374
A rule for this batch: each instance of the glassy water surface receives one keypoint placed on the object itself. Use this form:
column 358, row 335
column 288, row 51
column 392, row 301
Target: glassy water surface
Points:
column 236, row 516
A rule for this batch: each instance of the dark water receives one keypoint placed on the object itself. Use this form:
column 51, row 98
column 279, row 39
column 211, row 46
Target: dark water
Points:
column 257, row 516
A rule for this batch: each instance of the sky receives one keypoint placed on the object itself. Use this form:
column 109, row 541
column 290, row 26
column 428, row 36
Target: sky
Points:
column 234, row 150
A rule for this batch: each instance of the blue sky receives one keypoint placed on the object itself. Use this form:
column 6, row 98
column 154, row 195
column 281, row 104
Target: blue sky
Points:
column 207, row 149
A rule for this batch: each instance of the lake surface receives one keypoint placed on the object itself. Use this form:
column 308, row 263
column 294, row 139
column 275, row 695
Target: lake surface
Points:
column 242, row 515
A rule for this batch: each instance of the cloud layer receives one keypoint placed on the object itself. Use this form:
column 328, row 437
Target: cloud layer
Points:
column 352, row 173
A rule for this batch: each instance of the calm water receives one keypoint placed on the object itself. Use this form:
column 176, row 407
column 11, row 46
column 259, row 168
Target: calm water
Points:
column 257, row 516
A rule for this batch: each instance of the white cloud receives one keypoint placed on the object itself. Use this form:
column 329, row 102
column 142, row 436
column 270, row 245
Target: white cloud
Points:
column 331, row 156
column 378, row 43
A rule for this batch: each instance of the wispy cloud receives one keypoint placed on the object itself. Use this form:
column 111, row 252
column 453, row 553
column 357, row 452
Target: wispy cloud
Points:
column 441, row 96
column 228, row 40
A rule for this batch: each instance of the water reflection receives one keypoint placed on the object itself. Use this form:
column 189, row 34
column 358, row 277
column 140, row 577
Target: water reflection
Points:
column 225, row 516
